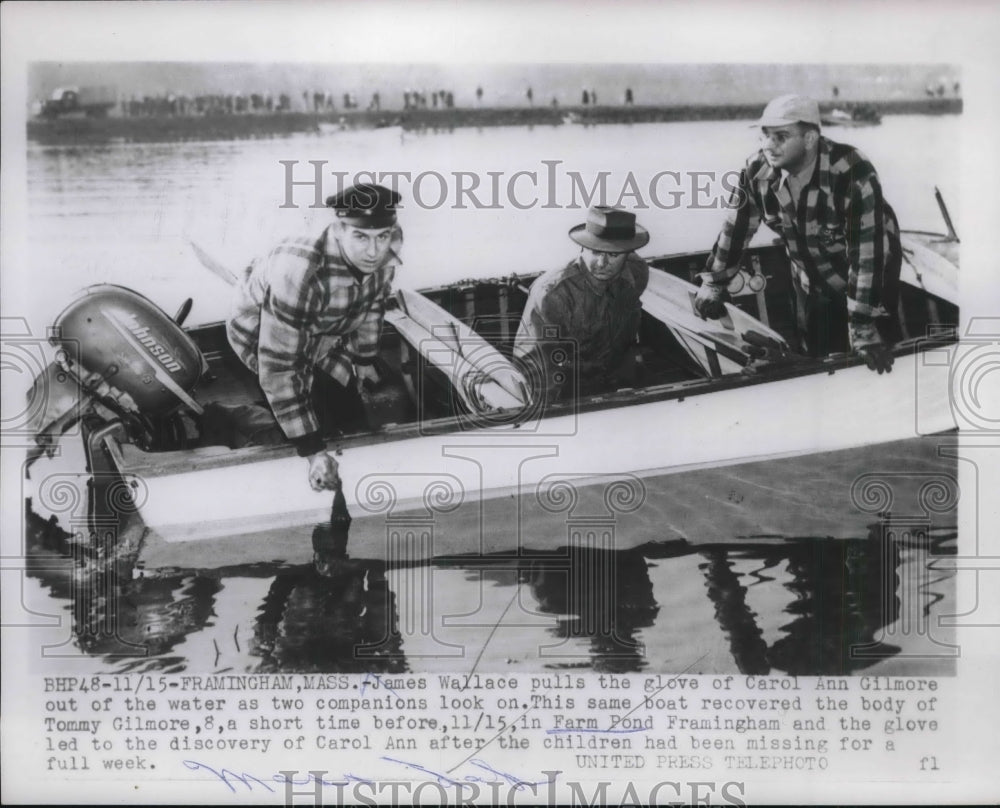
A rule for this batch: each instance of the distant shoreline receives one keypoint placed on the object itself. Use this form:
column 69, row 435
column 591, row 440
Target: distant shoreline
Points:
column 74, row 130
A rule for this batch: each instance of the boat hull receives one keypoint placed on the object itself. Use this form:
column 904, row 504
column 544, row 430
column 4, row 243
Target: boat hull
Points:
column 757, row 442
column 905, row 486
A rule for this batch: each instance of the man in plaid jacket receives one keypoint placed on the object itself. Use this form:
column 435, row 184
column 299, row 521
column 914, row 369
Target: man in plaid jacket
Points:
column 313, row 308
column 825, row 200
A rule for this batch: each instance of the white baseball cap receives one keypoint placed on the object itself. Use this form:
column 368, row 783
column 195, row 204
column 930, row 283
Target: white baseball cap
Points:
column 786, row 109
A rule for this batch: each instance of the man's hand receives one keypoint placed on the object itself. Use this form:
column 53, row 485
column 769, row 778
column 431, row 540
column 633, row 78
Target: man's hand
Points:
column 878, row 357
column 368, row 378
column 324, row 472
column 710, row 302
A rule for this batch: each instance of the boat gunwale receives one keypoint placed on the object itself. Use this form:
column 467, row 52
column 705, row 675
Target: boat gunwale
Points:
column 160, row 464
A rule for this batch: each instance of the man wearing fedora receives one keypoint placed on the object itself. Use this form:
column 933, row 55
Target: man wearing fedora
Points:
column 592, row 304
column 307, row 318
column 825, row 200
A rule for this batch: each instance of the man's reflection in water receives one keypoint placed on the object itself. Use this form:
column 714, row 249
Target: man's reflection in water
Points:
column 318, row 617
column 315, row 617
column 822, row 599
column 845, row 593
column 603, row 595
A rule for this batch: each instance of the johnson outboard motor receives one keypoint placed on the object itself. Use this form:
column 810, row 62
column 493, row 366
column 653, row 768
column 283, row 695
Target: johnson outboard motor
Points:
column 122, row 356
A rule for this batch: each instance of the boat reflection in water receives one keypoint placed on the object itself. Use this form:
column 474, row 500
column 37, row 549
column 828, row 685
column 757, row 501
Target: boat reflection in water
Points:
column 807, row 607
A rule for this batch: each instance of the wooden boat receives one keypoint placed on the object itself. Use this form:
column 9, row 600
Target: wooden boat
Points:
column 459, row 457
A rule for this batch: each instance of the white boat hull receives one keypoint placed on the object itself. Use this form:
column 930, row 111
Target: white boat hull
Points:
column 455, row 487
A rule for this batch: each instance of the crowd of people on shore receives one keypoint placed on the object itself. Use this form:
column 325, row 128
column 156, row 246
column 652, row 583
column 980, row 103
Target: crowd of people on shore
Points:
column 439, row 99
column 179, row 104
column 170, row 104
column 310, row 101
column 319, row 102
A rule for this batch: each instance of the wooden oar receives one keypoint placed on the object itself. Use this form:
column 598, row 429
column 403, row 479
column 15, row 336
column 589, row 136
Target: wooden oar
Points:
column 467, row 345
column 211, row 264
column 947, row 216
column 671, row 301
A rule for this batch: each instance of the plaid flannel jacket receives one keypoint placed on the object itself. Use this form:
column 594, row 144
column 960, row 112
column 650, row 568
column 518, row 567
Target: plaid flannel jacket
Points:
column 300, row 308
column 842, row 237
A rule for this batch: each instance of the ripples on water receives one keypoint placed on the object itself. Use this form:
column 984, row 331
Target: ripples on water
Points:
column 809, row 607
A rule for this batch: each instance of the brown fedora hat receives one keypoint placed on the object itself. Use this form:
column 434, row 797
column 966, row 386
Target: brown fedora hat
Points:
column 610, row 230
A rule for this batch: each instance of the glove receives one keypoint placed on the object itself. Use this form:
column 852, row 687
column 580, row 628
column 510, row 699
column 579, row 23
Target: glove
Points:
column 710, row 302
column 324, row 472
column 878, row 357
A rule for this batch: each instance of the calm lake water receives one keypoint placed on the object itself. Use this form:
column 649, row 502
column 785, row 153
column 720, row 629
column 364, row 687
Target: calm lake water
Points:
column 124, row 213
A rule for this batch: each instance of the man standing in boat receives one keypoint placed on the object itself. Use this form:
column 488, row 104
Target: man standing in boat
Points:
column 592, row 304
column 842, row 238
column 307, row 318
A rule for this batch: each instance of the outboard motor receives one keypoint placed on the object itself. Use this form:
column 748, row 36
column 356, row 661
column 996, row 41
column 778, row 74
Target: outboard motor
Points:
column 120, row 351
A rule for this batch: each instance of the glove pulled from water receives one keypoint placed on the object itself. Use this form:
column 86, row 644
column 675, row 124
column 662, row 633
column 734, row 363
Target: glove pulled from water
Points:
column 324, row 472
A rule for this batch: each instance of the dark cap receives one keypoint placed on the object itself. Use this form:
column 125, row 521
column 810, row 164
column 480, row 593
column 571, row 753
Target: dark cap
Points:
column 371, row 207
column 610, row 230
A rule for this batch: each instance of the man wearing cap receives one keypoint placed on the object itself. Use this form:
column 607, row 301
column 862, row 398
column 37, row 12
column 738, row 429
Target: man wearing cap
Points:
column 842, row 238
column 592, row 304
column 310, row 311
